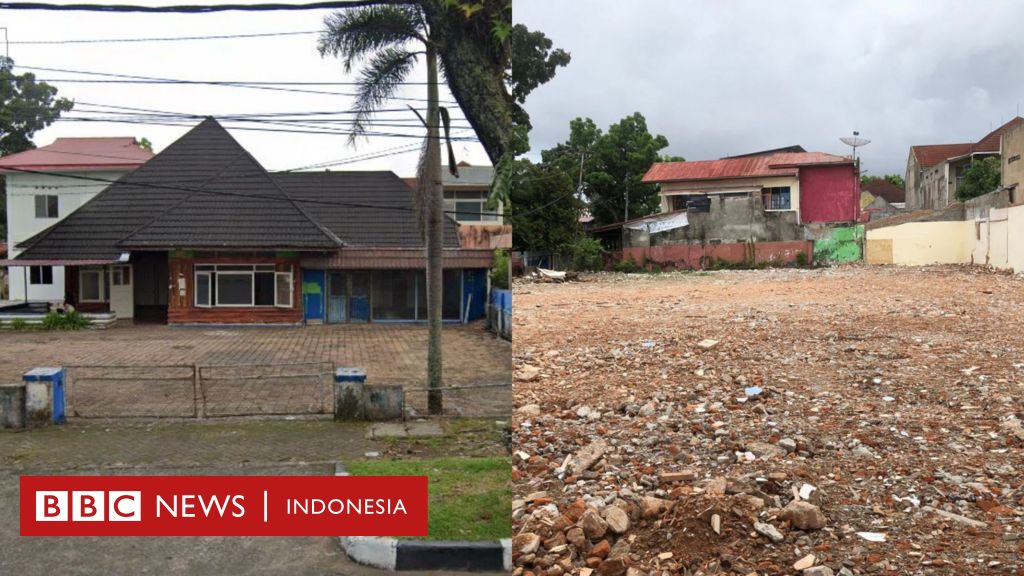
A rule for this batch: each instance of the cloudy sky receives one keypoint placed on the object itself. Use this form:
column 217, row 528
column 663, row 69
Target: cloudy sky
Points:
column 285, row 58
column 728, row 77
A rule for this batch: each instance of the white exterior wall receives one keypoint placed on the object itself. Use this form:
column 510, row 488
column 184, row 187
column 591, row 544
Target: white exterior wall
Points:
column 22, row 223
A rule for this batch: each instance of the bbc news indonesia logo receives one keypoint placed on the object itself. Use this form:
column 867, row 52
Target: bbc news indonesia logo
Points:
column 223, row 506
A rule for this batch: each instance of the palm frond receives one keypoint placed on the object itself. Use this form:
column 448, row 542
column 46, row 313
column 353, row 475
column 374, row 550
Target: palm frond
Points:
column 380, row 78
column 355, row 34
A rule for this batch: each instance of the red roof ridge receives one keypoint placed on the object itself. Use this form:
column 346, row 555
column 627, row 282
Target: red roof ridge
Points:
column 780, row 164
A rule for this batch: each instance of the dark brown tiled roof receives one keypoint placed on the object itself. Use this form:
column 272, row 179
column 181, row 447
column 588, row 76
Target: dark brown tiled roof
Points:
column 885, row 189
column 206, row 191
column 931, row 154
column 338, row 200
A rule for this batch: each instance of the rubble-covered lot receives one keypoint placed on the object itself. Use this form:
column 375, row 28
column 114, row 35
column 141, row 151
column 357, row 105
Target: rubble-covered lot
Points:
column 854, row 420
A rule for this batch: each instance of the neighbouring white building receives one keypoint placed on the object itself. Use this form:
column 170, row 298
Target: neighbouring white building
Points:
column 46, row 184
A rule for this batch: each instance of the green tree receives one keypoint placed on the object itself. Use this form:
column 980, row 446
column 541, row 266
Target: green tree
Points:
column 145, row 144
column 613, row 166
column 388, row 40
column 546, row 211
column 981, row 177
column 534, row 62
column 894, row 179
column 26, row 106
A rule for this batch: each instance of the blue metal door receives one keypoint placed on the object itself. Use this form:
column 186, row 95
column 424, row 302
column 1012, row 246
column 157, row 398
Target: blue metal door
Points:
column 313, row 294
column 337, row 303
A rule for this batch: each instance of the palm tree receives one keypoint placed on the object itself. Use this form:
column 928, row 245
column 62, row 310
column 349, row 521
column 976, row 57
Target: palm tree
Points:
column 388, row 41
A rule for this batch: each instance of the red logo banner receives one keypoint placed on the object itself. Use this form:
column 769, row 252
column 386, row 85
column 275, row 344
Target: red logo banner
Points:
column 223, row 505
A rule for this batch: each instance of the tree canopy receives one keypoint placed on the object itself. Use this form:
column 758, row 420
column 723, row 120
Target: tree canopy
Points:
column 26, row 106
column 545, row 210
column 614, row 164
column 982, row 177
column 894, row 179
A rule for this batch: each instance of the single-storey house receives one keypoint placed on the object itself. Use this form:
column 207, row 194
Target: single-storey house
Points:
column 201, row 233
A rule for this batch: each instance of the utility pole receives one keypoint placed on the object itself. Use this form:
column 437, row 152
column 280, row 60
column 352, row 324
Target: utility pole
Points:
column 627, row 197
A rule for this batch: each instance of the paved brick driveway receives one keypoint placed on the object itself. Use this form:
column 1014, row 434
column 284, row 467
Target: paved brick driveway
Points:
column 391, row 354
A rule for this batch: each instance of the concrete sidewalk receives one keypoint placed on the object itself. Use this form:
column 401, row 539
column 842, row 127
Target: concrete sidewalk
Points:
column 176, row 448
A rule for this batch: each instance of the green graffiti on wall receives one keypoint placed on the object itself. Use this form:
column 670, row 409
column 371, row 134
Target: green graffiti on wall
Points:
column 841, row 246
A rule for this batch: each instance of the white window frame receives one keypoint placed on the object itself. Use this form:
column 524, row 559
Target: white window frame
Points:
column 452, row 200
column 82, row 272
column 195, row 288
column 251, row 273
column 46, row 206
column 291, row 290
column 118, row 274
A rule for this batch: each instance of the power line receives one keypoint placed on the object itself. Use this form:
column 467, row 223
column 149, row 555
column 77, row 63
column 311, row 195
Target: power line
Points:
column 246, row 82
column 224, row 83
column 127, row 182
column 164, row 39
column 320, row 131
column 194, row 9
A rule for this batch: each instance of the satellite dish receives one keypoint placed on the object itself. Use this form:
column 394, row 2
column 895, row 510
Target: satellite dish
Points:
column 854, row 142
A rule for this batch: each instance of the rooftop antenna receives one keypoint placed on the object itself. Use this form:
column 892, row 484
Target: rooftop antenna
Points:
column 855, row 141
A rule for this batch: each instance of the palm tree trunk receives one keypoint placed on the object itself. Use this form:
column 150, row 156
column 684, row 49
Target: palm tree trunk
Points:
column 435, row 236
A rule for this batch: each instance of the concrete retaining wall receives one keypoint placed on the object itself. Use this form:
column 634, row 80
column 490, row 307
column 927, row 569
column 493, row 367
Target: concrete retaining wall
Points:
column 991, row 234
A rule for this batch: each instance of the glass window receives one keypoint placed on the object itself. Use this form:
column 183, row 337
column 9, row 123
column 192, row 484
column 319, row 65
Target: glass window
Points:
column 46, row 206
column 284, row 289
column 234, row 289
column 121, row 276
column 468, row 211
column 776, row 198
column 264, row 288
column 203, row 289
column 40, row 275
column 451, row 308
column 394, row 295
column 90, row 285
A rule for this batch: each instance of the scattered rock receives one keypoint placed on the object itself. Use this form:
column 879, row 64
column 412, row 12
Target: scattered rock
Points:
column 805, row 562
column 617, row 519
column 769, row 531
column 525, row 543
column 803, row 515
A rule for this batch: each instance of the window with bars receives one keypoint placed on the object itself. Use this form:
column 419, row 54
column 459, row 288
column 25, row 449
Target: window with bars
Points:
column 776, row 198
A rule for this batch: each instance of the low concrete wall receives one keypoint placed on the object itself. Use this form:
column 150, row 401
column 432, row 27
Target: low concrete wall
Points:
column 700, row 256
column 989, row 232
column 921, row 243
column 839, row 245
column 12, row 405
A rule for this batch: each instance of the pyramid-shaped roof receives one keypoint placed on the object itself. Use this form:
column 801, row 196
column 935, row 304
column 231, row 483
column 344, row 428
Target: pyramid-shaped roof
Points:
column 205, row 191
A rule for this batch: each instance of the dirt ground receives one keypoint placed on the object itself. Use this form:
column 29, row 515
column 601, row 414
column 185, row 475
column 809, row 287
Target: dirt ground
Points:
column 664, row 422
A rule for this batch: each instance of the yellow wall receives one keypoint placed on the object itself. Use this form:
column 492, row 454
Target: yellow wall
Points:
column 920, row 243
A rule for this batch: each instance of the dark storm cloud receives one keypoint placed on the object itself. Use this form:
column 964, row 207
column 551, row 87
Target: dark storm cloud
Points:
column 729, row 77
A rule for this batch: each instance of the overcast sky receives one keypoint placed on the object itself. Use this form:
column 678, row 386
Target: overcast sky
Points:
column 728, row 77
column 287, row 58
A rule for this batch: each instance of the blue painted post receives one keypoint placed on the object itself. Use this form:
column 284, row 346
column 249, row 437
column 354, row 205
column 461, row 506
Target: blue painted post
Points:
column 44, row 395
column 349, row 384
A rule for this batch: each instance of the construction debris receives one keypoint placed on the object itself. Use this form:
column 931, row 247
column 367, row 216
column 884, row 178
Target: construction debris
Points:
column 884, row 437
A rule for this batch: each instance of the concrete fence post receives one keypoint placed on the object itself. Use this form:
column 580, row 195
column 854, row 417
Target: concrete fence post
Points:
column 44, row 396
column 12, row 405
column 349, row 385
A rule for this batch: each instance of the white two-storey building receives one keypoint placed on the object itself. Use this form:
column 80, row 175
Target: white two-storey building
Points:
column 46, row 184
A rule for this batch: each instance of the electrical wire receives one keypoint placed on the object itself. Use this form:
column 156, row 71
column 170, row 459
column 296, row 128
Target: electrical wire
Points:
column 164, row 39
column 193, row 8
column 222, row 83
